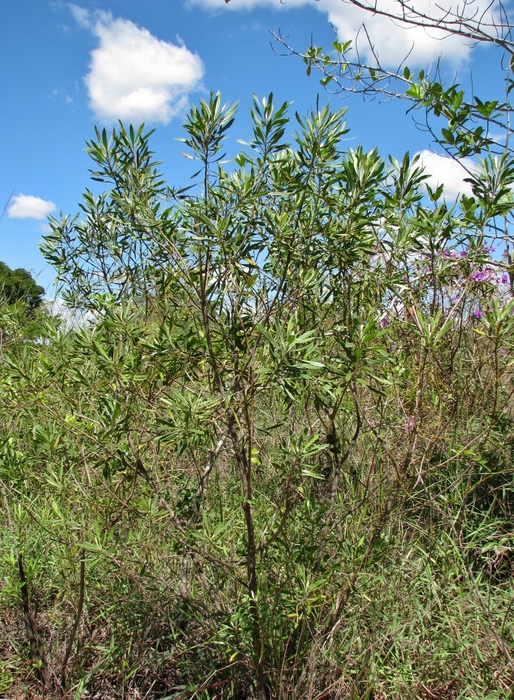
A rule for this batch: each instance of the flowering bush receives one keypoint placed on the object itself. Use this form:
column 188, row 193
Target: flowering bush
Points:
column 279, row 460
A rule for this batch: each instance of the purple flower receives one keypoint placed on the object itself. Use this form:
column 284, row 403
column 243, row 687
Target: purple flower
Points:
column 505, row 278
column 480, row 276
column 410, row 424
column 478, row 313
column 384, row 321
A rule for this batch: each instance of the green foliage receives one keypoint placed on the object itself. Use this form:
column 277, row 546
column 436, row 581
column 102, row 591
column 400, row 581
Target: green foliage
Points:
column 278, row 460
column 22, row 314
column 19, row 285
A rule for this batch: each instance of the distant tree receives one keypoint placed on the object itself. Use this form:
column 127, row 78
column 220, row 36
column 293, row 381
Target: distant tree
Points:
column 22, row 313
column 19, row 285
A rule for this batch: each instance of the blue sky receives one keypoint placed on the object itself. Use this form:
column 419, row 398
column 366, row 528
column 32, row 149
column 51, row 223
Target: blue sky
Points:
column 67, row 67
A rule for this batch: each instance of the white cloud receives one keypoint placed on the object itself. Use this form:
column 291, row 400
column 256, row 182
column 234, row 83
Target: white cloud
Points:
column 73, row 318
column 25, row 206
column 448, row 172
column 61, row 95
column 81, row 16
column 134, row 76
column 392, row 41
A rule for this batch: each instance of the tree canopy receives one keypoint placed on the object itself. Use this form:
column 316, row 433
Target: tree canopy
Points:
column 19, row 285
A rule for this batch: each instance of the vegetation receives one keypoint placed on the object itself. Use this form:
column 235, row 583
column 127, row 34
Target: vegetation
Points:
column 19, row 285
column 22, row 314
column 280, row 458
column 277, row 463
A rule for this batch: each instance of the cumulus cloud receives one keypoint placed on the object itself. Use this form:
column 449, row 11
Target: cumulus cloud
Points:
column 133, row 75
column 392, row 41
column 448, row 172
column 73, row 318
column 25, row 206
